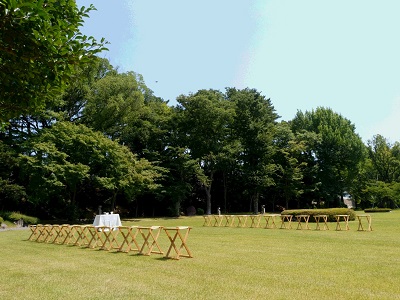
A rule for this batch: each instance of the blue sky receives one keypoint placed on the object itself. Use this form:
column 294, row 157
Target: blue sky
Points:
column 340, row 54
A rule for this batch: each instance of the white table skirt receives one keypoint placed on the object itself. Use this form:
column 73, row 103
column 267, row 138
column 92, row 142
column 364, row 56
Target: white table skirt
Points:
column 111, row 220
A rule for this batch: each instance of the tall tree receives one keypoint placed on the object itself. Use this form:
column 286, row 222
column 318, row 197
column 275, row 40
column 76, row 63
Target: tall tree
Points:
column 254, row 125
column 40, row 42
column 288, row 176
column 338, row 154
column 63, row 160
column 205, row 124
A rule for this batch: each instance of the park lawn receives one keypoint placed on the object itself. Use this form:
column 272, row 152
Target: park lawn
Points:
column 228, row 263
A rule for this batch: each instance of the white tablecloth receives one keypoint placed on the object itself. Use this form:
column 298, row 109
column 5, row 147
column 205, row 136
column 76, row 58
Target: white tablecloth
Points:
column 111, row 220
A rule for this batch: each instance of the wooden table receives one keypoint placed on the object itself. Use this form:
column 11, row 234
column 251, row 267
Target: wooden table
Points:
column 305, row 219
column 270, row 218
column 369, row 222
column 344, row 218
column 318, row 218
column 178, row 235
column 150, row 236
column 286, row 219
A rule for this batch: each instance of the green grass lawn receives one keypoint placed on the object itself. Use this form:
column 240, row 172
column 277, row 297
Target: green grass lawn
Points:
column 228, row 263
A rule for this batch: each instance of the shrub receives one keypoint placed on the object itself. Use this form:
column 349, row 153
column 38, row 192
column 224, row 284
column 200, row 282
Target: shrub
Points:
column 330, row 212
column 15, row 216
column 199, row 211
column 372, row 210
column 1, row 220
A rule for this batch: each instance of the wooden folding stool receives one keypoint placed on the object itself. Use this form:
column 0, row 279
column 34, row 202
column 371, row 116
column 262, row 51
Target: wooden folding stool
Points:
column 255, row 221
column 129, row 234
column 305, row 219
column 229, row 220
column 181, row 239
column 44, row 231
column 369, row 222
column 52, row 232
column 286, row 219
column 207, row 220
column 270, row 219
column 65, row 233
column 345, row 219
column 34, row 232
column 318, row 221
column 108, row 237
column 218, row 220
column 75, row 235
column 150, row 236
column 242, row 219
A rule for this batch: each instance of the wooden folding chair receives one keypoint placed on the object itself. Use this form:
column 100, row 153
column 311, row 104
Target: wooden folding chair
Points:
column 177, row 237
column 150, row 236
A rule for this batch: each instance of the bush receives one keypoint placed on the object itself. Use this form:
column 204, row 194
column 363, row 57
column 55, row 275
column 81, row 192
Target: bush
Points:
column 330, row 212
column 1, row 220
column 15, row 216
column 199, row 211
column 372, row 210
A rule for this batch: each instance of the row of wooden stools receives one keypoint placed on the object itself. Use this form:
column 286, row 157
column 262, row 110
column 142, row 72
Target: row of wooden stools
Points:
column 286, row 221
column 140, row 239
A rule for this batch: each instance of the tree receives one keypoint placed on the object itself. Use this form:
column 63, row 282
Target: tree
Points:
column 288, row 176
column 379, row 183
column 254, row 127
column 205, row 123
column 40, row 43
column 64, row 160
column 338, row 153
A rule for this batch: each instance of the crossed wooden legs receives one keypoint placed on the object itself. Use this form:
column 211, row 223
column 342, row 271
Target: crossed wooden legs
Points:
column 173, row 234
column 150, row 236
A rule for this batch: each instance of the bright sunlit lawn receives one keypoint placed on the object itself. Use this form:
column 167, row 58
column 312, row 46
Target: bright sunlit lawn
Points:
column 228, row 263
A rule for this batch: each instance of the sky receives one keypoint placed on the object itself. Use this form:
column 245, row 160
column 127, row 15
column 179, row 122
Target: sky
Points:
column 338, row 54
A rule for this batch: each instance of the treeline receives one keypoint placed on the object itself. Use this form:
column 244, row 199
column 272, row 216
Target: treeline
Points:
column 89, row 136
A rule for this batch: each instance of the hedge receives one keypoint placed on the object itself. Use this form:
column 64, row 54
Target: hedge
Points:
column 15, row 216
column 330, row 212
column 372, row 210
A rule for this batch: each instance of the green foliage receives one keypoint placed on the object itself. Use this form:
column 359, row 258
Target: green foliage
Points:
column 40, row 42
column 199, row 211
column 1, row 220
column 336, row 154
column 330, row 212
column 373, row 210
column 15, row 216
column 65, row 158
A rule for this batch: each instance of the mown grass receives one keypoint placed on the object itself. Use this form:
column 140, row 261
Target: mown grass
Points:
column 228, row 263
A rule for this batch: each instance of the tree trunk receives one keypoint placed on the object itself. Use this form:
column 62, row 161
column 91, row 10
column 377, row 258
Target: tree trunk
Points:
column 207, row 189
